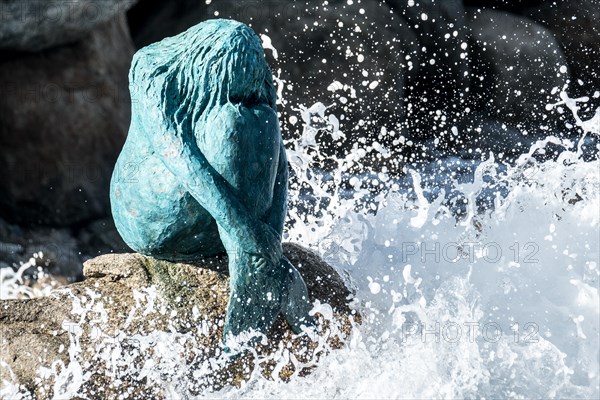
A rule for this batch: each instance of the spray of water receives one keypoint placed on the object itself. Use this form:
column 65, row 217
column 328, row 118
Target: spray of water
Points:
column 493, row 302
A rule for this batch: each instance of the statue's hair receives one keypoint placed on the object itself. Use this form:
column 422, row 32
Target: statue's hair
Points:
column 210, row 64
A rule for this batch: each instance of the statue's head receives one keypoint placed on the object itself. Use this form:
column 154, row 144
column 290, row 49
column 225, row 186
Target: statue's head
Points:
column 212, row 63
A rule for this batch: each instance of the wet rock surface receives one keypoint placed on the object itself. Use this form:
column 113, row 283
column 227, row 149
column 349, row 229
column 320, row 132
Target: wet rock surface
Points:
column 138, row 325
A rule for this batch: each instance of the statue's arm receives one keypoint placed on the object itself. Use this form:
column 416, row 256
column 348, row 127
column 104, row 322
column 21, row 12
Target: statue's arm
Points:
column 184, row 159
column 278, row 211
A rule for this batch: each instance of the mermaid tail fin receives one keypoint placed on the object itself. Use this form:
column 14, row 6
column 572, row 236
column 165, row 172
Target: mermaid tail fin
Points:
column 296, row 306
column 254, row 299
column 259, row 293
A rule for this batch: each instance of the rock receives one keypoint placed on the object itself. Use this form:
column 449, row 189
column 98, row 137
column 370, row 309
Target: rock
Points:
column 35, row 25
column 476, row 135
column 64, row 114
column 442, row 34
column 576, row 26
column 138, row 325
column 515, row 6
column 59, row 250
column 30, row 336
column 516, row 90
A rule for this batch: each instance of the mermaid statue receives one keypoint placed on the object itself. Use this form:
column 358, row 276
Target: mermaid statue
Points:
column 204, row 169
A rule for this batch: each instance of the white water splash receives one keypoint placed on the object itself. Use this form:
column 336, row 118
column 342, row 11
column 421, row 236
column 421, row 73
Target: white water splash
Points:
column 268, row 45
column 497, row 304
column 14, row 285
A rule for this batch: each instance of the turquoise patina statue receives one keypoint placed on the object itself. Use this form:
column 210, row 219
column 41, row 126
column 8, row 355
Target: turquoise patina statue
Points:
column 204, row 169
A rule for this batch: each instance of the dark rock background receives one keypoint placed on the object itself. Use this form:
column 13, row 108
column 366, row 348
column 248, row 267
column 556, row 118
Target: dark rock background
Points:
column 35, row 25
column 65, row 114
column 418, row 68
